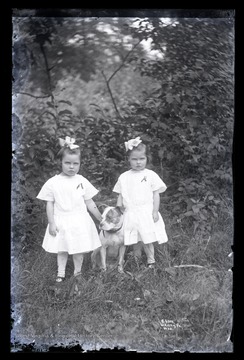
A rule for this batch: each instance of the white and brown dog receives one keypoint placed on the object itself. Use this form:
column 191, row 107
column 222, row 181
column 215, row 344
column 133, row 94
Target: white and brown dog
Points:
column 112, row 239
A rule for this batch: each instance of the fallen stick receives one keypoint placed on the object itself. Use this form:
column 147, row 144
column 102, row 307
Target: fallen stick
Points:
column 198, row 266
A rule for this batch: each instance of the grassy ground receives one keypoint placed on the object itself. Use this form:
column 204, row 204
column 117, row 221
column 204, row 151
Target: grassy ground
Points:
column 184, row 304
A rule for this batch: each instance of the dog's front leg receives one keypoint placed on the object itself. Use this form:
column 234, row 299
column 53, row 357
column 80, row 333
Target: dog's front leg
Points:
column 103, row 252
column 121, row 258
column 93, row 258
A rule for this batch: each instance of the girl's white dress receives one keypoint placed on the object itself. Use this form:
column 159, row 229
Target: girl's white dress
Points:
column 77, row 230
column 136, row 188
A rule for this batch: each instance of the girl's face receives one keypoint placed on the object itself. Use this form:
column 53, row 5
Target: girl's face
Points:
column 138, row 160
column 70, row 164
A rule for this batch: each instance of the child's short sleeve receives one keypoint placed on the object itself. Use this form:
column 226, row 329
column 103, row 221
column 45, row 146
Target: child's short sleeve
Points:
column 157, row 183
column 46, row 192
column 90, row 190
column 117, row 187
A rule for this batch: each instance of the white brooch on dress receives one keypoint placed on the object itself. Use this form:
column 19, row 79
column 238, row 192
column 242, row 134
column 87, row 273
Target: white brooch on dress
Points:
column 132, row 143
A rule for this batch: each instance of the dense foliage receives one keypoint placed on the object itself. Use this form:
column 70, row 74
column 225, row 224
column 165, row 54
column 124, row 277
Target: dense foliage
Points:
column 92, row 79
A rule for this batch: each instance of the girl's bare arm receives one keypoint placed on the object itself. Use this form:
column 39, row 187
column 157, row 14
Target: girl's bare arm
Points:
column 156, row 203
column 119, row 200
column 92, row 207
column 120, row 203
column 50, row 217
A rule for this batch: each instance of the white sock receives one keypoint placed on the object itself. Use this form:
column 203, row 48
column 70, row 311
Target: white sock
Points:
column 62, row 258
column 78, row 261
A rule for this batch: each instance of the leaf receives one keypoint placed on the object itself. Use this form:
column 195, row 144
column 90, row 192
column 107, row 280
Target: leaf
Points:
column 50, row 104
column 195, row 208
column 63, row 112
column 196, row 157
column 111, row 325
column 48, row 112
column 154, row 124
column 161, row 153
column 66, row 102
column 92, row 104
column 32, row 152
column 51, row 154
column 188, row 213
column 200, row 205
column 195, row 296
column 196, row 224
column 171, row 271
column 169, row 98
column 88, row 328
column 76, row 127
column 203, row 217
column 125, row 315
column 169, row 155
column 177, row 98
column 163, row 126
column 90, row 117
column 214, row 140
column 146, row 294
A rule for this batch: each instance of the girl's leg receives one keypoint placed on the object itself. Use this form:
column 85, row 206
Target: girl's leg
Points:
column 137, row 248
column 62, row 258
column 78, row 261
column 149, row 250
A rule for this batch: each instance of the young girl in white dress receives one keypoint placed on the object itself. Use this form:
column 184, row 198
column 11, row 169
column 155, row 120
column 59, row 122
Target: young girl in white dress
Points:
column 139, row 190
column 68, row 196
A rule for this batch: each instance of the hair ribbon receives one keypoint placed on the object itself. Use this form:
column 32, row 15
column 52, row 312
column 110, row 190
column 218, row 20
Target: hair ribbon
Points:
column 68, row 142
column 132, row 143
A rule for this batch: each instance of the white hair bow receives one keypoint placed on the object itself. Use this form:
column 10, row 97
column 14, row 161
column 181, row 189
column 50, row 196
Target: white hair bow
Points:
column 132, row 143
column 68, row 142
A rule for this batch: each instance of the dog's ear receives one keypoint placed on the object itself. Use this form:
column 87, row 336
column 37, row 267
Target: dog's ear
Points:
column 120, row 209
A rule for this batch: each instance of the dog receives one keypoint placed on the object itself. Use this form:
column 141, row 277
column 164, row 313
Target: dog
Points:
column 112, row 239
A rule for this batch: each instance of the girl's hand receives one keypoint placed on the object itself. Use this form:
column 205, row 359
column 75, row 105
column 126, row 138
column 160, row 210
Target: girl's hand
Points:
column 53, row 229
column 92, row 207
column 155, row 216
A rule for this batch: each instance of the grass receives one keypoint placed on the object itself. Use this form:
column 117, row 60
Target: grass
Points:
column 184, row 304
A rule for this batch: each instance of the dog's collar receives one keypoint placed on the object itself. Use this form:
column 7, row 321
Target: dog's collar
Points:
column 114, row 230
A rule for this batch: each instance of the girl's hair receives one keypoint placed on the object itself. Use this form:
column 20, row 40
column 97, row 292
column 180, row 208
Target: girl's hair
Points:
column 140, row 147
column 66, row 150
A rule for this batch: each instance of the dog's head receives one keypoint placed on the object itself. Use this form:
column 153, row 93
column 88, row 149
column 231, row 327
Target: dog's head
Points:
column 112, row 218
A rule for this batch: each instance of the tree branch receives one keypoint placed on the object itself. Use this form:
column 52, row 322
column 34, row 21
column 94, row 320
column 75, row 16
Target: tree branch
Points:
column 50, row 84
column 114, row 73
column 34, row 96
column 47, row 69
column 111, row 95
column 123, row 62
